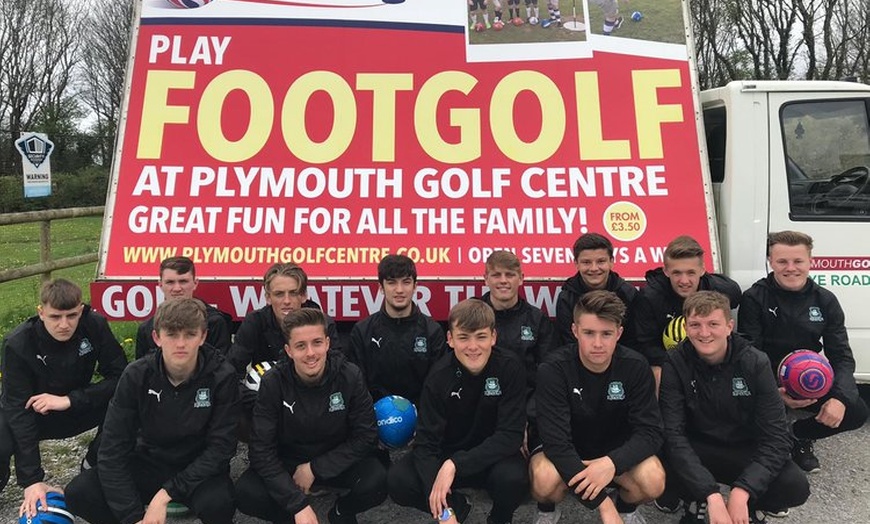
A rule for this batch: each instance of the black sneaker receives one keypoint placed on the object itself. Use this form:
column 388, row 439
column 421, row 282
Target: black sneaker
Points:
column 335, row 517
column 696, row 513
column 757, row 517
column 777, row 513
column 802, row 455
column 618, row 23
column 4, row 475
column 461, row 505
column 668, row 503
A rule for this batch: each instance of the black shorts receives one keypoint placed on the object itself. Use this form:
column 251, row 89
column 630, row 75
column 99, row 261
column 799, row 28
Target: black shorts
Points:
column 474, row 5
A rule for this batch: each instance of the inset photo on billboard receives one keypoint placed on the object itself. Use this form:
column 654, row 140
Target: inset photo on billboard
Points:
column 494, row 22
column 650, row 20
column 525, row 21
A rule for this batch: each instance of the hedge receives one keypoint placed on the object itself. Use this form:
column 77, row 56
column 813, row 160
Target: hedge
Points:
column 85, row 187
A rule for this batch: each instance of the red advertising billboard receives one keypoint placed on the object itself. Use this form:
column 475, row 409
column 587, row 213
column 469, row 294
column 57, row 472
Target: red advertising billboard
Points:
column 330, row 133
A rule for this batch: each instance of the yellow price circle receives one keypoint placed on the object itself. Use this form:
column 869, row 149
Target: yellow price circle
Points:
column 625, row 221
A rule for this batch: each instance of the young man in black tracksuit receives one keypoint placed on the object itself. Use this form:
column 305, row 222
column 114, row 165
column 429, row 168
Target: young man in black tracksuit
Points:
column 396, row 346
column 470, row 426
column 48, row 366
column 661, row 300
column 520, row 327
column 169, row 433
column 787, row 311
column 725, row 422
column 178, row 280
column 598, row 419
column 593, row 258
column 260, row 337
column 313, row 423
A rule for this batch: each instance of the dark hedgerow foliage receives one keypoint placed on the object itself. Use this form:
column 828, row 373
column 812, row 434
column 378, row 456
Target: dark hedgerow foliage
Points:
column 85, row 187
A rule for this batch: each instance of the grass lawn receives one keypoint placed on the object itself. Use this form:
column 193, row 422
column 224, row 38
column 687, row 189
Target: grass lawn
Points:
column 19, row 246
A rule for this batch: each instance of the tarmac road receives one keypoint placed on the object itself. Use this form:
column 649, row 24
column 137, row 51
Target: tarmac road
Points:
column 840, row 494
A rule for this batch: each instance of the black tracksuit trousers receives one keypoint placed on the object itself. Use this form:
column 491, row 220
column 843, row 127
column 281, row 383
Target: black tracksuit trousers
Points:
column 212, row 501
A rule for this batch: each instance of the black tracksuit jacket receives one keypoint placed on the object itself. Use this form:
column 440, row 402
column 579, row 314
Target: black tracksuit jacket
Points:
column 474, row 420
column 330, row 424
column 657, row 303
column 780, row 321
column 260, row 338
column 573, row 289
column 190, row 428
column 732, row 404
column 584, row 415
column 395, row 354
column 34, row 362
column 528, row 332
column 218, row 335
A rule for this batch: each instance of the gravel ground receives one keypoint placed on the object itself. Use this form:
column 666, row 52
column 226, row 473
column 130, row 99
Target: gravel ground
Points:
column 840, row 492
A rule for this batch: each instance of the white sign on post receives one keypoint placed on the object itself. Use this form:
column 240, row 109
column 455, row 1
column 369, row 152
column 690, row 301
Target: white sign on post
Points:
column 35, row 149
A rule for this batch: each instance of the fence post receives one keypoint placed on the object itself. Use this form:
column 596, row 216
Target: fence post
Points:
column 45, row 246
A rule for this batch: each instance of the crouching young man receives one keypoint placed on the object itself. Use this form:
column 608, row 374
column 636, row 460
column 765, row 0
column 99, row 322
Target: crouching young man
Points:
column 599, row 422
column 725, row 422
column 470, row 427
column 313, row 424
column 48, row 391
column 169, row 432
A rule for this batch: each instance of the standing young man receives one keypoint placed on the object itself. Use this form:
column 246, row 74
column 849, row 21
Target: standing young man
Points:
column 48, row 366
column 260, row 337
column 178, row 280
column 555, row 15
column 313, row 424
column 396, row 346
column 661, row 300
column 169, row 433
column 475, row 7
column 787, row 311
column 521, row 327
column 612, row 19
column 593, row 258
column 598, row 419
column 470, row 426
column 725, row 422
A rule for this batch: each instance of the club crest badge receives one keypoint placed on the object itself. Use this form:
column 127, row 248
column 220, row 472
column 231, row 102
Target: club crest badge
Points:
column 491, row 387
column 615, row 391
column 203, row 398
column 526, row 333
column 85, row 347
column 336, row 402
column 739, row 387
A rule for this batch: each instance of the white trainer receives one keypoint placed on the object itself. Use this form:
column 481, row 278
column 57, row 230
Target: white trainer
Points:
column 548, row 517
column 632, row 518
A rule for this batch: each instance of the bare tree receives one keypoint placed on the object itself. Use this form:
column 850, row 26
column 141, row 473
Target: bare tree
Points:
column 40, row 54
column 104, row 63
column 780, row 39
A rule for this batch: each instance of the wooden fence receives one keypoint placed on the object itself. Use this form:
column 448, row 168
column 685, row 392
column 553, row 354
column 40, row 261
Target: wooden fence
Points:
column 46, row 265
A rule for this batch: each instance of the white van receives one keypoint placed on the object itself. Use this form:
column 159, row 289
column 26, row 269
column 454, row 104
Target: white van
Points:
column 796, row 155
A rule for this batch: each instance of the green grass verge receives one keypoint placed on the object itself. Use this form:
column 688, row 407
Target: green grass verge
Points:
column 19, row 246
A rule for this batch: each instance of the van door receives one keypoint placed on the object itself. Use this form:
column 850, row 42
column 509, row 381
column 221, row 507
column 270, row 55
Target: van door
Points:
column 820, row 184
